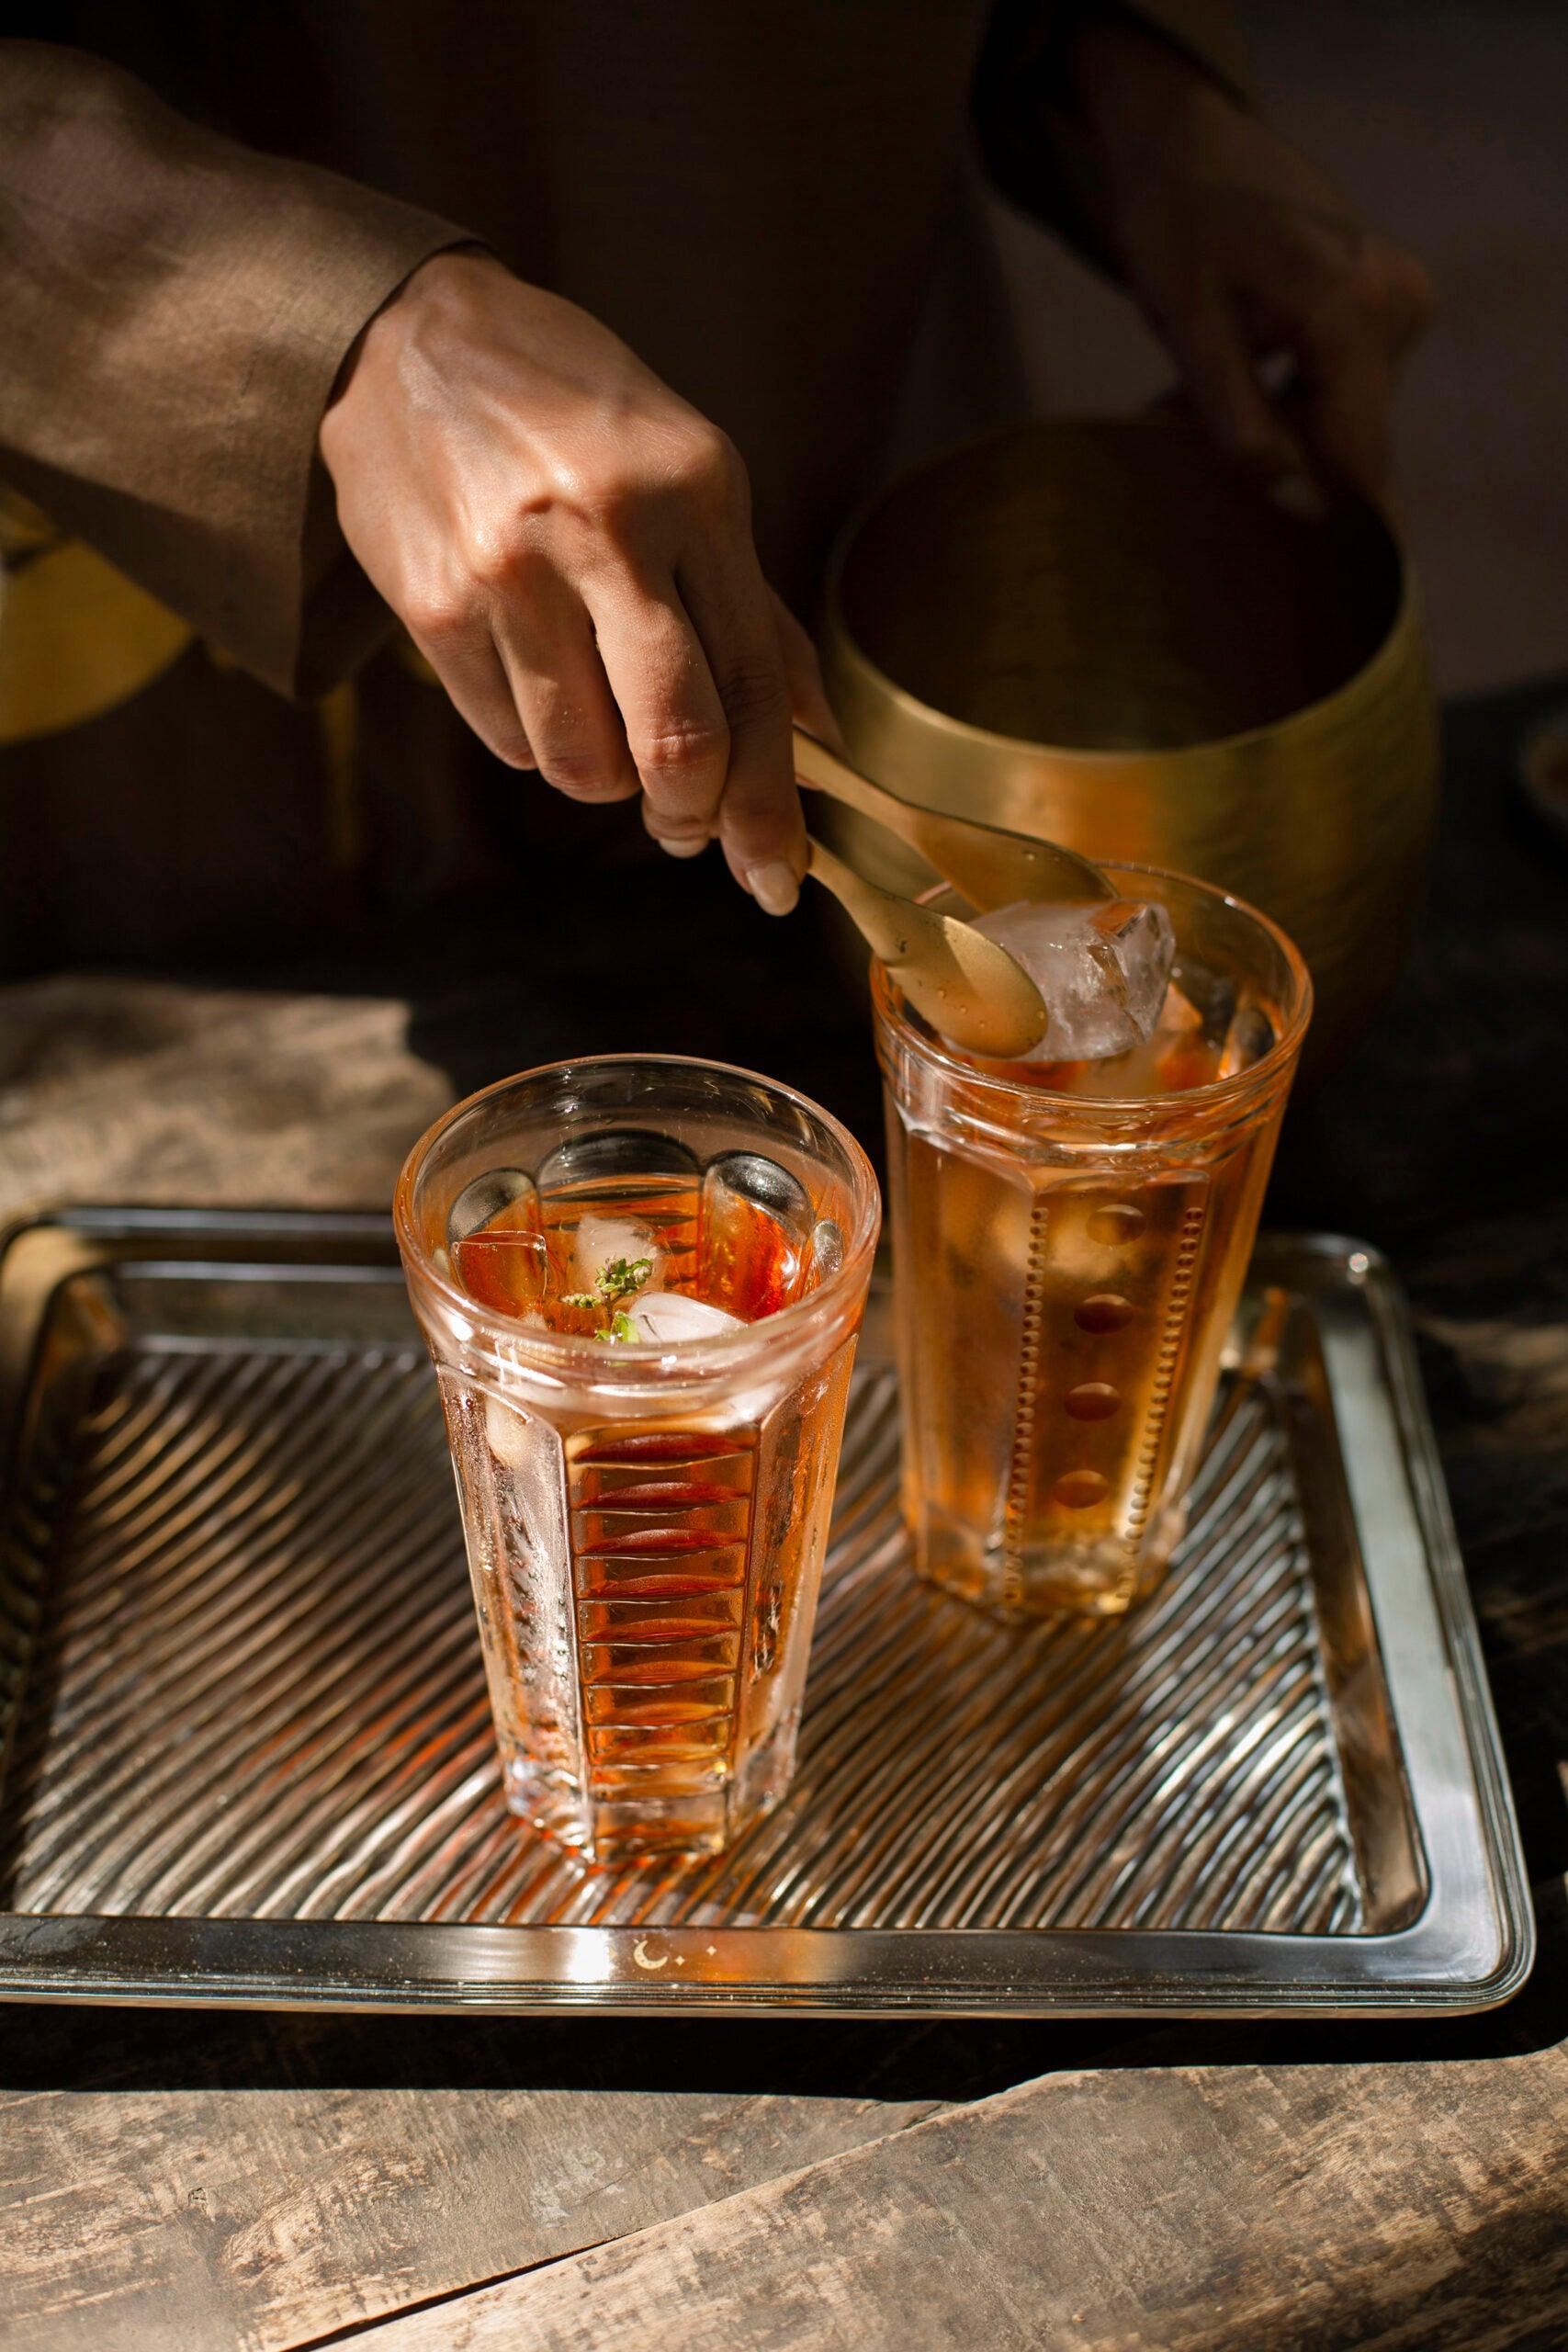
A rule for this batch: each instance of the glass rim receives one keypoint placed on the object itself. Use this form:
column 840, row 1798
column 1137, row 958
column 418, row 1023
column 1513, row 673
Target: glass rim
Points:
column 632, row 1359
column 1217, row 1093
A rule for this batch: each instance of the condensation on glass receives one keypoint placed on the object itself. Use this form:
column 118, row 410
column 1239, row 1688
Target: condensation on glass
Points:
column 1067, row 1262
column 645, row 1524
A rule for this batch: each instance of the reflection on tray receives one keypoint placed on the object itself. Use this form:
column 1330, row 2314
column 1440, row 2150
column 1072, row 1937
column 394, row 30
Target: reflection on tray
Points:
column 256, row 1690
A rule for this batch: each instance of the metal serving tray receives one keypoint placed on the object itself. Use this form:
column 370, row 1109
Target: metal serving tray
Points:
column 248, row 1757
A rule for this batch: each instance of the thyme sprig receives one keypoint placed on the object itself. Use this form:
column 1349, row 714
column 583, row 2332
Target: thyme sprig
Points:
column 620, row 1278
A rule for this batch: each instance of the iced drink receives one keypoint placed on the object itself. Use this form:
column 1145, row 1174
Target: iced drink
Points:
column 641, row 1281
column 1071, row 1234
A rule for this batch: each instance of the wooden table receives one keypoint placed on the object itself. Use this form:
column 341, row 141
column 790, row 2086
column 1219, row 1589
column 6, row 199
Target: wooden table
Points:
column 213, row 2179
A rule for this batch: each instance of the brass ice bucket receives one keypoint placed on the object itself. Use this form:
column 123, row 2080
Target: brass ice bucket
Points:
column 1089, row 630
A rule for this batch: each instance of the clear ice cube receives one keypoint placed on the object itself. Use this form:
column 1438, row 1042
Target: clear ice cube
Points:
column 512, row 1437
column 752, row 1176
column 599, row 1241
column 665, row 1319
column 1104, row 971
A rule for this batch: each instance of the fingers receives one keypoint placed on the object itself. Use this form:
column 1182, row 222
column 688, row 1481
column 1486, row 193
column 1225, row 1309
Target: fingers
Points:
column 556, row 681
column 677, row 682
column 1351, row 342
column 1214, row 352
column 464, row 656
column 760, row 826
column 624, row 698
column 1349, row 397
column 802, row 675
column 676, row 729
column 691, row 651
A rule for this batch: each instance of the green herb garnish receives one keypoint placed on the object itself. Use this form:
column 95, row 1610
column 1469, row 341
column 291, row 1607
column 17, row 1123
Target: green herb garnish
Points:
column 622, row 1278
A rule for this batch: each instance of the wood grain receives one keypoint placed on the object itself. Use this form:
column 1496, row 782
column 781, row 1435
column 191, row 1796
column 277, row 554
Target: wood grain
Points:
column 1187, row 2210
column 211, row 2220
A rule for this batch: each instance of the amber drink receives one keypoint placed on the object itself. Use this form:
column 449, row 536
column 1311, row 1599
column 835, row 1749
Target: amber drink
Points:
column 1070, row 1240
column 641, row 1280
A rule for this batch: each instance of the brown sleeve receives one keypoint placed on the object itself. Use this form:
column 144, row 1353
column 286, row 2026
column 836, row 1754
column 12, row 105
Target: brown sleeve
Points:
column 1205, row 29
column 1027, row 133
column 175, row 309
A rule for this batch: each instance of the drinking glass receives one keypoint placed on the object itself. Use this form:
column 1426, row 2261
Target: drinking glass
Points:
column 1066, row 1265
column 645, row 1522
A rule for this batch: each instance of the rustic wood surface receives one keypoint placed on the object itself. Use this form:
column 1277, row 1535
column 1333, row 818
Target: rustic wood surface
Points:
column 207, row 2180
column 1289, row 2207
column 270, row 2217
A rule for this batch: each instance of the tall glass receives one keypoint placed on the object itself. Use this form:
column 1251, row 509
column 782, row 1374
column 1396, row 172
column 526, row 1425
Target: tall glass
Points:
column 1068, row 1264
column 646, row 1521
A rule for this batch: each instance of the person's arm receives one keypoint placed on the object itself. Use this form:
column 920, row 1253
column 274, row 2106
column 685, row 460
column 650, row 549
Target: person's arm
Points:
column 186, row 342
column 1130, row 129
column 176, row 311
column 570, row 544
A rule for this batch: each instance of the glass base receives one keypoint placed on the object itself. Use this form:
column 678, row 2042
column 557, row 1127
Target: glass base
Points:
column 635, row 1824
column 1100, row 1579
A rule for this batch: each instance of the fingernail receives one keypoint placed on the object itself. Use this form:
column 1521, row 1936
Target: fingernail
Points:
column 681, row 844
column 773, row 887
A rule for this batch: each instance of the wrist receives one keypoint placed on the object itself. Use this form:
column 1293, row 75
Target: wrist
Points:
column 428, row 293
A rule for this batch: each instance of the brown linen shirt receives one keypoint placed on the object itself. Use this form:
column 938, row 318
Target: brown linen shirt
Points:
column 177, row 307
column 749, row 194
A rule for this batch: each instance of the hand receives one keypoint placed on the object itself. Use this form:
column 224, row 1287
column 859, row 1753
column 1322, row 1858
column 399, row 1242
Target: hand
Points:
column 1241, row 253
column 569, row 545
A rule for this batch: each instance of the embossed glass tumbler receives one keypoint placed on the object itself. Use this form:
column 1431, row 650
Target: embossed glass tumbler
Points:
column 1070, row 1241
column 641, row 1280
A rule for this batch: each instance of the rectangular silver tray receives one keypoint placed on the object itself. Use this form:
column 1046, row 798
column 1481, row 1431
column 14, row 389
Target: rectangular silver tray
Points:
column 247, row 1756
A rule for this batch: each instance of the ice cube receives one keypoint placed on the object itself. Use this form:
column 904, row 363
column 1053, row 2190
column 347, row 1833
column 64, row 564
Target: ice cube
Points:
column 511, row 1433
column 599, row 1241
column 505, row 1270
column 667, row 1318
column 1103, row 970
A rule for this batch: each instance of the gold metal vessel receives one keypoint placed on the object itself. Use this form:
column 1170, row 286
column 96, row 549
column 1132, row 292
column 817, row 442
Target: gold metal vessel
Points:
column 1089, row 631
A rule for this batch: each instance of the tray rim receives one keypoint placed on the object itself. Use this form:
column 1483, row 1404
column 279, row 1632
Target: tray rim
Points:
column 1461, row 1802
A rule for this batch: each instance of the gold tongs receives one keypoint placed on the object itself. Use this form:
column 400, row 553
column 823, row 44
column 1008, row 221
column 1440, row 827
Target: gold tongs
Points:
column 984, row 864
column 969, row 988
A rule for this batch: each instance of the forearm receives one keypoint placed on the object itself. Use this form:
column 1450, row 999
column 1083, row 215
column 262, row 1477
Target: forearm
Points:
column 1038, row 94
column 176, row 310
column 1240, row 253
